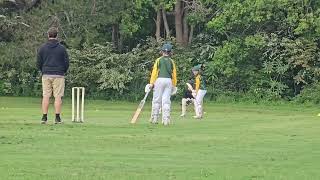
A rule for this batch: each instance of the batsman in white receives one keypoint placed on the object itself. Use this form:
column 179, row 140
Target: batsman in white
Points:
column 200, row 90
column 163, row 81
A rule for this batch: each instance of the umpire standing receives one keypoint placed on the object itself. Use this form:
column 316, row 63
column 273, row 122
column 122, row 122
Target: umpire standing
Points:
column 53, row 62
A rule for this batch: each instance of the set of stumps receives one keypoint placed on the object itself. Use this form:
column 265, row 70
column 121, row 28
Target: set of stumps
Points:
column 78, row 104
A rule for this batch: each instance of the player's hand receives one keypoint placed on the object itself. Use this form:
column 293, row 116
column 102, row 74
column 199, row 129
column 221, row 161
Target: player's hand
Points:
column 174, row 90
column 151, row 86
column 147, row 88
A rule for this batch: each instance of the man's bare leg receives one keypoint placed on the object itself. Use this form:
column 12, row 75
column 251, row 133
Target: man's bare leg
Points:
column 45, row 107
column 57, row 106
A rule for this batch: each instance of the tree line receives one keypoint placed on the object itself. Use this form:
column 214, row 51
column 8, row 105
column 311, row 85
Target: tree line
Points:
column 252, row 49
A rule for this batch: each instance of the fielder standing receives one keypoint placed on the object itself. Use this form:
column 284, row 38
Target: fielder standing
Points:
column 199, row 92
column 163, row 81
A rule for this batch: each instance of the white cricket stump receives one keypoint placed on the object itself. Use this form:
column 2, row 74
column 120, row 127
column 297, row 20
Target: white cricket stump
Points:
column 78, row 111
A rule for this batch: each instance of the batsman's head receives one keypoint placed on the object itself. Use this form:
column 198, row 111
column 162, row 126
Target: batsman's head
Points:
column 166, row 49
column 52, row 33
column 196, row 69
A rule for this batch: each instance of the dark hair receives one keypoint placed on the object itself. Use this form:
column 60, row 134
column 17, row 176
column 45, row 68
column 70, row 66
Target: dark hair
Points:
column 53, row 32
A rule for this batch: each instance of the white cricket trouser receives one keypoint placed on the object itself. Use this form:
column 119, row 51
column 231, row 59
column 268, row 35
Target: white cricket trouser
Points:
column 198, row 102
column 161, row 98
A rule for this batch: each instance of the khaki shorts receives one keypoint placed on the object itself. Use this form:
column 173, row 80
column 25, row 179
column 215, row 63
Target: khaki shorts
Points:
column 53, row 84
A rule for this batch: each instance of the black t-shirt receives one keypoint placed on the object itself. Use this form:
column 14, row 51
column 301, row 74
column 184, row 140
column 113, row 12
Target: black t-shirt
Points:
column 188, row 94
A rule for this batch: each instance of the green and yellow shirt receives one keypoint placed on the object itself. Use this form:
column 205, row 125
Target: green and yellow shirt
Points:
column 200, row 83
column 164, row 67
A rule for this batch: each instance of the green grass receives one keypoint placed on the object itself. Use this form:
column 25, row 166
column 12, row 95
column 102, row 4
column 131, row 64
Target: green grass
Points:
column 234, row 141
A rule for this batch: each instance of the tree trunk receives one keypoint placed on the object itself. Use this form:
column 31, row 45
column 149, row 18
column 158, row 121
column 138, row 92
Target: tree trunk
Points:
column 93, row 10
column 115, row 35
column 191, row 34
column 120, row 43
column 165, row 22
column 178, row 21
column 158, row 25
column 185, row 28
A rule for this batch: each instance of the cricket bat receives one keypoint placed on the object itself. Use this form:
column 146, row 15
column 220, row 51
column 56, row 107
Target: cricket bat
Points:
column 139, row 109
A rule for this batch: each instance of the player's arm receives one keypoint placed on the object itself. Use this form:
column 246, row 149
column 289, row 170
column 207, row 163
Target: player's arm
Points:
column 39, row 60
column 197, row 83
column 174, row 75
column 154, row 73
column 66, row 60
column 189, row 87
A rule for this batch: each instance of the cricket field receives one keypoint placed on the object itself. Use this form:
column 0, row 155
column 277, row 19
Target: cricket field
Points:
column 233, row 141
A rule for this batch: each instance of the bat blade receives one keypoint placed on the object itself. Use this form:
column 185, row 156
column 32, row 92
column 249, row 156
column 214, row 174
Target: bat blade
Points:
column 139, row 109
column 137, row 113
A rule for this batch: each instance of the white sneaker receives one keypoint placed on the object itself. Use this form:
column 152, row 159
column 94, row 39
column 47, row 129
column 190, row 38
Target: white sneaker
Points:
column 154, row 122
column 182, row 115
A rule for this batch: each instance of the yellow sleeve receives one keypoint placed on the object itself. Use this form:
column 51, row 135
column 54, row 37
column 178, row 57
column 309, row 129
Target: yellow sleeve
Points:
column 197, row 83
column 174, row 75
column 155, row 72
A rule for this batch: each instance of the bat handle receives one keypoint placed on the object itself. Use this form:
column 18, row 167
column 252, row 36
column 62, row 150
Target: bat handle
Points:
column 145, row 96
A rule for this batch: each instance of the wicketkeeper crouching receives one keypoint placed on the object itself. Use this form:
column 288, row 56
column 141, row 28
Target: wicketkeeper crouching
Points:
column 187, row 98
column 163, row 81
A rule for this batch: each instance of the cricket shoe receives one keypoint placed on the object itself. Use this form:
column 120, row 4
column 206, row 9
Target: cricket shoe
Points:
column 44, row 120
column 182, row 115
column 166, row 123
column 197, row 117
column 58, row 120
column 153, row 122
